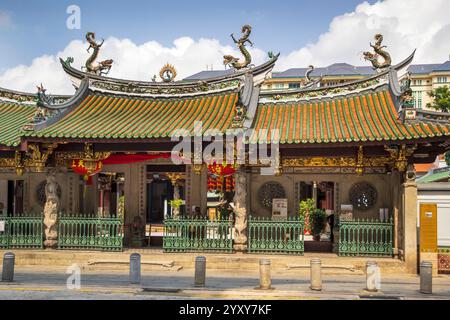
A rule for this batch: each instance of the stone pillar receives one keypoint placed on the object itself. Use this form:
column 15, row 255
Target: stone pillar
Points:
column 51, row 210
column 176, row 196
column 240, row 211
column 410, row 225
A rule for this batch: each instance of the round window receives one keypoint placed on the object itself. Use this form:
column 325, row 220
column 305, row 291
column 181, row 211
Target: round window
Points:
column 363, row 196
column 270, row 191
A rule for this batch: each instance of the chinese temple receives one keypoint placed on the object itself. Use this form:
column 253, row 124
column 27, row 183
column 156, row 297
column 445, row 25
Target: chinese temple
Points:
column 106, row 156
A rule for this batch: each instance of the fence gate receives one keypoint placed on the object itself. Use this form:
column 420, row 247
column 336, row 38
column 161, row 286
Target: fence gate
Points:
column 365, row 237
column 276, row 236
column 91, row 233
column 197, row 235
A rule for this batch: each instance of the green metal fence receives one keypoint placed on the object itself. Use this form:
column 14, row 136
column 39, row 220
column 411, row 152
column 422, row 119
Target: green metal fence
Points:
column 21, row 232
column 365, row 237
column 197, row 235
column 90, row 233
column 276, row 236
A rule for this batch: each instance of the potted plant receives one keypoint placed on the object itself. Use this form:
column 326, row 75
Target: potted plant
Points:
column 317, row 218
column 306, row 208
column 176, row 204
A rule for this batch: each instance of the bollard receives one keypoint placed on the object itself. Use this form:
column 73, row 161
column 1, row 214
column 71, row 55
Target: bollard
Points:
column 200, row 271
column 426, row 277
column 372, row 276
column 135, row 268
column 265, row 282
column 8, row 267
column 316, row 274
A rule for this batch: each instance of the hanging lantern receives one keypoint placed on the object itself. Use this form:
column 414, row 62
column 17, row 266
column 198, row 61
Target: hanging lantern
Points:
column 222, row 174
column 87, row 168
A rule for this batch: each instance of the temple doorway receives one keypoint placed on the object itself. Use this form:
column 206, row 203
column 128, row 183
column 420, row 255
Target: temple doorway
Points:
column 159, row 193
column 322, row 192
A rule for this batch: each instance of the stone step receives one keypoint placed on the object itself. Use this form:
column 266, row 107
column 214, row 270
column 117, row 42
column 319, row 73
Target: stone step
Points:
column 157, row 260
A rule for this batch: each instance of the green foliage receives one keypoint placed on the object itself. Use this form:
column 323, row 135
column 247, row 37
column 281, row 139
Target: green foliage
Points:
column 441, row 99
column 306, row 207
column 176, row 203
column 317, row 218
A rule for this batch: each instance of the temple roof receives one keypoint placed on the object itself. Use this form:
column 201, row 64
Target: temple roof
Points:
column 107, row 116
column 13, row 116
column 369, row 115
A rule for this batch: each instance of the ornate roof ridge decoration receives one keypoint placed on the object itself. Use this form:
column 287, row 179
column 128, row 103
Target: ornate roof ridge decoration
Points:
column 98, row 68
column 379, row 52
column 27, row 98
column 49, row 112
column 323, row 93
column 132, row 90
column 176, row 87
column 229, row 60
column 168, row 73
column 349, row 86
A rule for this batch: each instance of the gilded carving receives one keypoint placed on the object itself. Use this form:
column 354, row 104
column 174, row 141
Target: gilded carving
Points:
column 38, row 156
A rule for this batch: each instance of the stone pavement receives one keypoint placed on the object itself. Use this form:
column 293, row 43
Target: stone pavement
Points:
column 50, row 283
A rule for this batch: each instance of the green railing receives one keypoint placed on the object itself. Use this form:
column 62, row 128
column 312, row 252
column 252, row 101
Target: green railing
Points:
column 90, row 233
column 276, row 236
column 21, row 232
column 197, row 235
column 365, row 237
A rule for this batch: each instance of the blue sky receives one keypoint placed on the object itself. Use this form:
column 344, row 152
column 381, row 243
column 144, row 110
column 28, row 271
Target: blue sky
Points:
column 141, row 36
column 36, row 28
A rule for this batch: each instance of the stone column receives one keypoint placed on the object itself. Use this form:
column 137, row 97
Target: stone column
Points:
column 410, row 225
column 240, row 211
column 51, row 210
column 176, row 196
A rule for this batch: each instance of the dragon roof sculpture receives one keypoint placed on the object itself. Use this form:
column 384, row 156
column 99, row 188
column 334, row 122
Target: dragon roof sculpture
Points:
column 229, row 60
column 102, row 67
column 379, row 52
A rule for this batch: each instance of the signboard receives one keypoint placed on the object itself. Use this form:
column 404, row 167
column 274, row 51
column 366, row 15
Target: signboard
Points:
column 2, row 226
column 346, row 212
column 428, row 227
column 279, row 209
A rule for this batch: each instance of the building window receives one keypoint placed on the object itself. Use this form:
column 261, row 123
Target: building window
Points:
column 294, row 85
column 442, row 79
column 417, row 82
column 417, row 99
column 279, row 85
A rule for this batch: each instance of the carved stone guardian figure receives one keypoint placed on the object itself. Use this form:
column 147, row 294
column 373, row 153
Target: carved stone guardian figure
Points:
column 51, row 209
column 240, row 211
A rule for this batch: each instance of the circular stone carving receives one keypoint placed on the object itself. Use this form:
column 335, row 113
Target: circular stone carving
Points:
column 41, row 192
column 269, row 191
column 363, row 196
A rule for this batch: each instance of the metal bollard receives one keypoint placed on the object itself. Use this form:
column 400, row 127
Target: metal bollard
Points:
column 8, row 267
column 426, row 277
column 135, row 268
column 265, row 282
column 372, row 276
column 316, row 274
column 200, row 271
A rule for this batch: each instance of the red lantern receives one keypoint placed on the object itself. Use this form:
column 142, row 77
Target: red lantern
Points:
column 78, row 166
column 222, row 175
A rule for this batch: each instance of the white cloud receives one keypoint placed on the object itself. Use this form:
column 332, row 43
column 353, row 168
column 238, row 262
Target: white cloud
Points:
column 131, row 61
column 405, row 25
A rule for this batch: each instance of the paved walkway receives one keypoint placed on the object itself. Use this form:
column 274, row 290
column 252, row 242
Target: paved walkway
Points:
column 290, row 284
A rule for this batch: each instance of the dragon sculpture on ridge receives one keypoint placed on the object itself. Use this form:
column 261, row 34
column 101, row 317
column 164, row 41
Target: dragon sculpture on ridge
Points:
column 378, row 48
column 308, row 79
column 102, row 67
column 233, row 61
